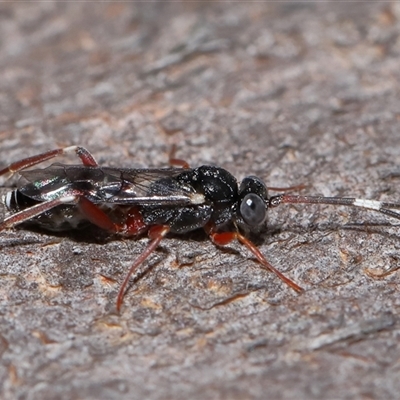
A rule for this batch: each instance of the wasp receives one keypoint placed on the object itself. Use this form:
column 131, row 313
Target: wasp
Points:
column 131, row 202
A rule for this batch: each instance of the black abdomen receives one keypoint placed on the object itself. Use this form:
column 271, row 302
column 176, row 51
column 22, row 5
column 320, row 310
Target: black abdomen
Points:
column 16, row 201
column 60, row 218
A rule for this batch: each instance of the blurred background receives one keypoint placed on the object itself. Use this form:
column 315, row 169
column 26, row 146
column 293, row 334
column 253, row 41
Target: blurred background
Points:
column 293, row 92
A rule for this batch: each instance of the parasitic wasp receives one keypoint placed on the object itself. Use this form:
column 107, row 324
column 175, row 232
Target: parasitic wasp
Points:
column 157, row 201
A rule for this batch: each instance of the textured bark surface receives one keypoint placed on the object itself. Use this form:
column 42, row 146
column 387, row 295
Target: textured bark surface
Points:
column 292, row 92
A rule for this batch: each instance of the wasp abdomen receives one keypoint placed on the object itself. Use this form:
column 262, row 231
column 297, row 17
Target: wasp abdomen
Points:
column 16, row 201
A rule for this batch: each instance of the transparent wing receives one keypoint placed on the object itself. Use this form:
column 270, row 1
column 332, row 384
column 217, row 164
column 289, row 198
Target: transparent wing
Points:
column 151, row 186
column 108, row 185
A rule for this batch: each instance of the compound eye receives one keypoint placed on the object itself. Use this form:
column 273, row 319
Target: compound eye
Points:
column 253, row 210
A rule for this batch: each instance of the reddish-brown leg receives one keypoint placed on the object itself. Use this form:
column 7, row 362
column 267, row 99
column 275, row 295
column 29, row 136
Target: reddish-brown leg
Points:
column 96, row 215
column 133, row 224
column 177, row 162
column 156, row 234
column 85, row 156
column 223, row 238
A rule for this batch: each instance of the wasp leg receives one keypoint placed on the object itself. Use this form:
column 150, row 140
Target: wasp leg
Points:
column 85, row 156
column 133, row 224
column 156, row 234
column 177, row 162
column 223, row 238
column 34, row 211
column 96, row 215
